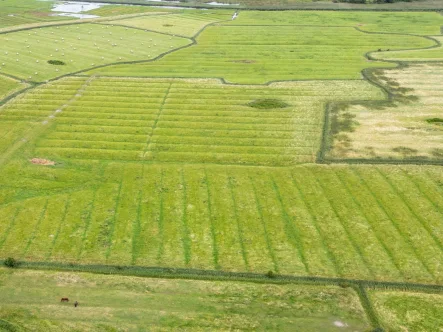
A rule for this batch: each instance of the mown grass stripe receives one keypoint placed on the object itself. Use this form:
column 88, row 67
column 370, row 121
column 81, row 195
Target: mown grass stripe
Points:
column 185, row 228
column 59, row 227
column 265, row 230
column 314, row 220
column 161, row 228
column 395, row 224
column 290, row 229
column 361, row 210
column 10, row 226
column 211, row 220
column 237, row 221
column 136, row 227
column 35, row 229
column 116, row 209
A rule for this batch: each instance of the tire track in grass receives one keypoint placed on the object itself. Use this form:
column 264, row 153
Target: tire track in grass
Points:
column 345, row 227
column 185, row 228
column 10, row 225
column 198, row 219
column 149, row 241
column 35, row 229
column 364, row 214
column 87, row 225
column 239, row 229
column 161, row 228
column 213, row 231
column 395, row 224
column 290, row 229
column 136, row 227
column 265, row 230
column 126, row 215
column 149, row 140
column 62, row 221
column 112, row 224
column 314, row 220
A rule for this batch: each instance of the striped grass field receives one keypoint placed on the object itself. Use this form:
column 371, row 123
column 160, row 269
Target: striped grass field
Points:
column 80, row 46
column 363, row 222
column 173, row 120
column 184, row 24
column 259, row 54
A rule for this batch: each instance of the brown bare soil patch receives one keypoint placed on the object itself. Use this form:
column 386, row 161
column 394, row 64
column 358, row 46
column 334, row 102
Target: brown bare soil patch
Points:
column 44, row 162
column 39, row 14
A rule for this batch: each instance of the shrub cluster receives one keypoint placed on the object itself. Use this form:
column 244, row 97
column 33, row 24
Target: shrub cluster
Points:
column 56, row 62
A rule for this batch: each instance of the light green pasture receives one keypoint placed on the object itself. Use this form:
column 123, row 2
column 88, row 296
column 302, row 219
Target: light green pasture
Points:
column 81, row 46
column 31, row 301
column 259, row 54
column 387, row 22
column 433, row 54
column 184, row 24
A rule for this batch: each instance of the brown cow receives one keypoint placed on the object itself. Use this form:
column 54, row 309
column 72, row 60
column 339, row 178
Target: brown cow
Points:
column 64, row 299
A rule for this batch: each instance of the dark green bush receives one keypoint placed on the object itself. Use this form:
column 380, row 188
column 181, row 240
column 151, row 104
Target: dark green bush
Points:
column 56, row 62
column 435, row 120
column 10, row 262
column 268, row 103
column 270, row 274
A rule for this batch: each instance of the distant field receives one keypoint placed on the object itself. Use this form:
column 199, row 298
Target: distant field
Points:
column 26, row 53
column 31, row 300
column 247, row 54
column 410, row 128
column 185, row 24
column 404, row 311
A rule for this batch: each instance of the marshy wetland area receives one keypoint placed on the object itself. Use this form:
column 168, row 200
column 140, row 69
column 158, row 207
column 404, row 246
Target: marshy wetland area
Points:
column 254, row 165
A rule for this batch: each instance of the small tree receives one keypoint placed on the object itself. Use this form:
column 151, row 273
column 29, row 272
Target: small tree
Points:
column 270, row 274
column 10, row 262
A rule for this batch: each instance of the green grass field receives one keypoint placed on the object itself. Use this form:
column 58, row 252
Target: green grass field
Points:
column 31, row 300
column 205, row 159
column 79, row 46
column 248, row 54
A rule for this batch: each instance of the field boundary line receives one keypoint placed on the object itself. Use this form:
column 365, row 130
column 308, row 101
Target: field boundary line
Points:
column 200, row 274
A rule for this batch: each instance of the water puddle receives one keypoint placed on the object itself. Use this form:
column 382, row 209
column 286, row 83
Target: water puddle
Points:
column 215, row 3
column 76, row 9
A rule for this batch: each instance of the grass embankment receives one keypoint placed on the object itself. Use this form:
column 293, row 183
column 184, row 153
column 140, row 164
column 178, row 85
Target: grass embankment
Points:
column 31, row 301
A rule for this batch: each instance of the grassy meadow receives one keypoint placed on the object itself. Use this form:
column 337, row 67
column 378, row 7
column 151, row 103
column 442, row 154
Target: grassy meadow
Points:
column 206, row 159
column 31, row 301
column 79, row 47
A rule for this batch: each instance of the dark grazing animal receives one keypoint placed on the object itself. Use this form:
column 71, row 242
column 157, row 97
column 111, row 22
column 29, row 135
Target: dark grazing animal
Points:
column 64, row 299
